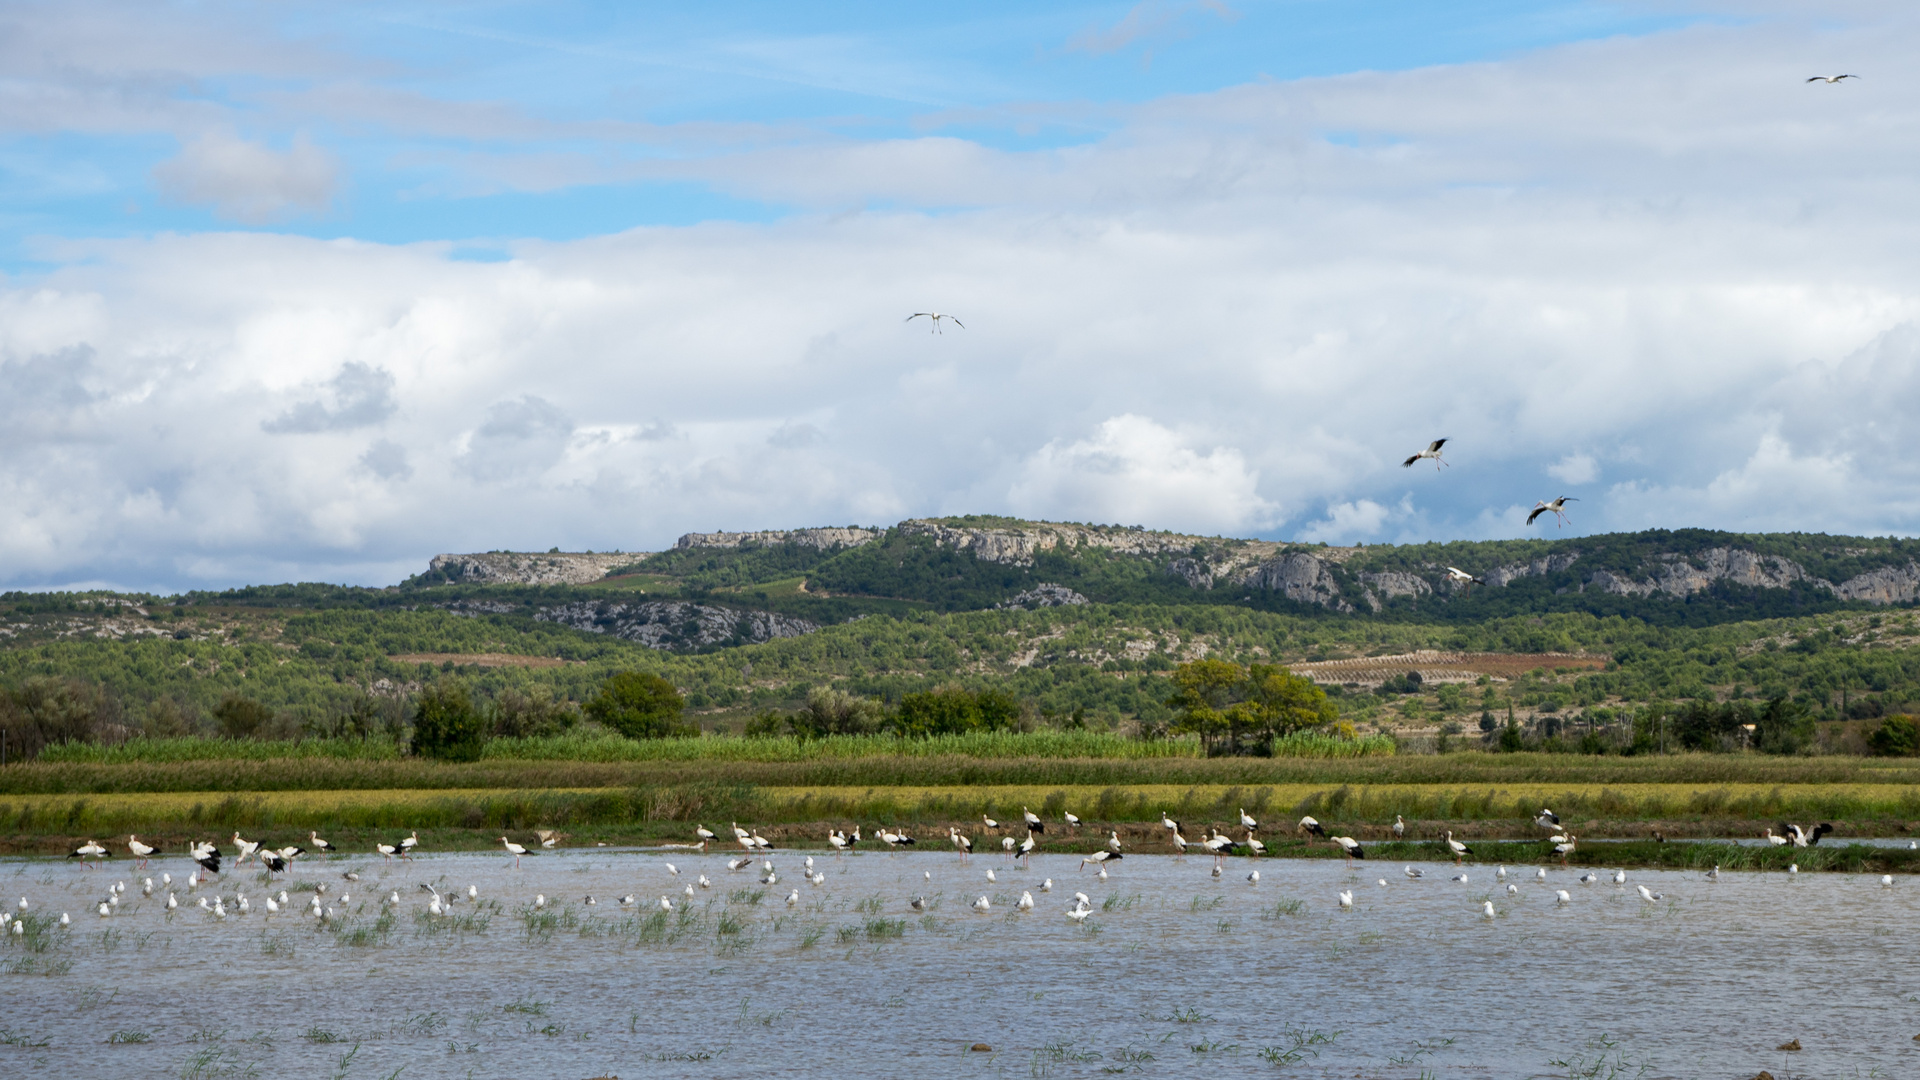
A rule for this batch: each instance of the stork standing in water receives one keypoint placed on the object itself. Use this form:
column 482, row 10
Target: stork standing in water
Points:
column 1565, row 849
column 88, row 850
column 936, row 317
column 319, row 845
column 1026, row 849
column 1557, row 508
column 1098, row 858
column 1351, row 847
column 514, row 850
column 407, row 845
column 962, row 844
column 244, row 849
column 138, row 850
column 1460, row 850
column 1312, row 827
column 387, row 850
column 1432, row 451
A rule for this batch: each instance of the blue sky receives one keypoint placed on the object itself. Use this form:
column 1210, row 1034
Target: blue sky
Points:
column 427, row 107
column 314, row 291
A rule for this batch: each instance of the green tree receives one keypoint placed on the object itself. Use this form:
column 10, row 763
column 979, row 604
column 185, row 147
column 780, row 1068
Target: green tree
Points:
column 1238, row 710
column 240, row 717
column 1897, row 736
column 953, row 710
column 446, row 725
column 641, row 706
column 45, row 711
column 836, row 712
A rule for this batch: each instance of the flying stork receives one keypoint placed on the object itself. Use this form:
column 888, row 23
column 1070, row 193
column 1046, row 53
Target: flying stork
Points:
column 936, row 317
column 1432, row 451
column 1557, row 507
column 1831, row 79
column 1462, row 578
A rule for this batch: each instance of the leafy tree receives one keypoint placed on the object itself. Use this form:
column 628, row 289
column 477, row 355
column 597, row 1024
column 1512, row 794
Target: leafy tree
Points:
column 240, row 717
column 836, row 712
column 641, row 705
column 45, row 711
column 1897, row 736
column 515, row 714
column 952, row 710
column 1238, row 710
column 1783, row 727
column 446, row 725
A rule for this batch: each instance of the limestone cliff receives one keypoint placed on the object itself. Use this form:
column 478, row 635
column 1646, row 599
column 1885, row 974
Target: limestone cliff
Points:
column 527, row 568
column 676, row 625
column 822, row 539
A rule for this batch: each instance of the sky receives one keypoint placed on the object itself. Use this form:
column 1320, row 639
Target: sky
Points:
column 314, row 291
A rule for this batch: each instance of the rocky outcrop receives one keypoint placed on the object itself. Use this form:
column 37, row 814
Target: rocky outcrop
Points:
column 822, row 539
column 1041, row 596
column 1017, row 545
column 1887, row 585
column 1675, row 575
column 1394, row 583
column 1299, row 577
column 527, row 568
column 676, row 626
column 1197, row 574
column 1499, row 576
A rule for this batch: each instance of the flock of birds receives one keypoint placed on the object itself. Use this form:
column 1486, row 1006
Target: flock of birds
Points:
column 207, row 859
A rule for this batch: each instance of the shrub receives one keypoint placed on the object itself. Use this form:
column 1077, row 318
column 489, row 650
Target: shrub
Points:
column 641, row 706
column 240, row 717
column 446, row 725
column 47, row 711
column 952, row 710
column 1897, row 736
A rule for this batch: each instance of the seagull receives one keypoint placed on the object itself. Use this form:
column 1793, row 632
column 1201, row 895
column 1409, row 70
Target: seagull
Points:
column 1540, row 874
column 1589, row 878
column 1649, row 897
column 1026, row 902
column 990, row 878
column 1461, row 878
column 1793, row 868
column 1216, row 871
column 1500, row 874
column 666, row 904
column 1413, row 873
column 1253, row 878
column 1346, row 899
column 1512, row 889
column 1886, row 881
column 1487, row 909
column 918, row 903
column 1620, row 876
column 793, row 898
column 1563, row 896
column 1079, row 914
column 1432, row 451
column 983, row 905
column 1714, row 874
column 936, row 317
column 1831, row 79
column 1047, row 885
column 1557, row 507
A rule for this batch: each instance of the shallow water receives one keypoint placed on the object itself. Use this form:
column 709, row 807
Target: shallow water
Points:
column 1176, row 974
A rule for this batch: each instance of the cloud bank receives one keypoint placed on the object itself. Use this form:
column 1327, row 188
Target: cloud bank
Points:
column 1625, row 271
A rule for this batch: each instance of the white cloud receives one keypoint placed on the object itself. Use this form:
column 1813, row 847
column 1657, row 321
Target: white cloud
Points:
column 1575, row 469
column 1217, row 320
column 250, row 182
column 1133, row 470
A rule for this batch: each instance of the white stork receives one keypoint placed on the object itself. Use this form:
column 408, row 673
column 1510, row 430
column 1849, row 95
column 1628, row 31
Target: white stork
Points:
column 246, row 849
column 1459, row 849
column 1432, row 451
column 703, row 832
column 88, row 850
column 1399, row 827
column 406, row 846
column 1463, row 579
column 138, row 850
column 1246, row 820
column 1831, row 80
column 1072, row 821
column 1312, row 827
column 319, row 845
column 514, row 850
column 1098, row 858
column 936, row 317
column 1557, row 507
column 1351, row 847
column 1034, row 824
column 1548, row 820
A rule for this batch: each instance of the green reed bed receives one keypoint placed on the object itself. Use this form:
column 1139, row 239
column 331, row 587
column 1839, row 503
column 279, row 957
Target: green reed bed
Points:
column 947, row 770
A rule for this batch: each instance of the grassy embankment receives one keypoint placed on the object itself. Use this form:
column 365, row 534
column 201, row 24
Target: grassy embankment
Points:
column 617, row 791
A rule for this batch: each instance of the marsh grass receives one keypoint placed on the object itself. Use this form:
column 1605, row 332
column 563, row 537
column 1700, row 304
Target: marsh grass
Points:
column 120, row 1037
column 1285, row 907
column 878, row 929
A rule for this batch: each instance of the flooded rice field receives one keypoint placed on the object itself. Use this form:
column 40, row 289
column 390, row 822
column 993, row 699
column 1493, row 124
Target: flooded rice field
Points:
column 1173, row 972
